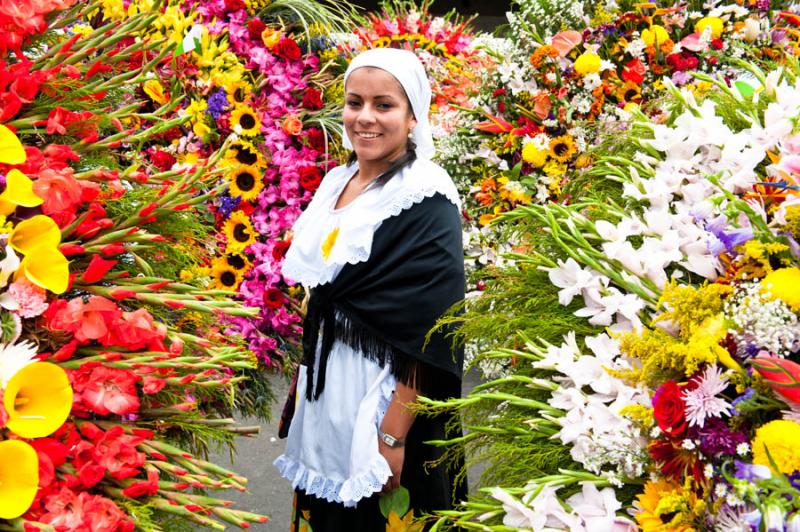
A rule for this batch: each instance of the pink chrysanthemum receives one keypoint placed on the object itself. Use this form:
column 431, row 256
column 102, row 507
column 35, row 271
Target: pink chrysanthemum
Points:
column 702, row 402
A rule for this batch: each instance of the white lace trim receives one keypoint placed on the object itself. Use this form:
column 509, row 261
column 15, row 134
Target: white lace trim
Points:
column 347, row 492
column 316, row 484
column 357, row 225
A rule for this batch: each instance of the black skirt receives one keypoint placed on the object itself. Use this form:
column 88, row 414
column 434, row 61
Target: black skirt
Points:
column 431, row 487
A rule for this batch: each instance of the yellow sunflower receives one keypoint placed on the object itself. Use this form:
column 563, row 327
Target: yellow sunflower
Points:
column 237, row 90
column 562, row 148
column 245, row 181
column 238, row 262
column 244, row 120
column 224, row 276
column 629, row 92
column 239, row 232
column 244, row 152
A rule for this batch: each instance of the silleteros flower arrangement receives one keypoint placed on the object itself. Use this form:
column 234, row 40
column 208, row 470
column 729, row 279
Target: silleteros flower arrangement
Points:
column 661, row 392
column 252, row 74
column 112, row 374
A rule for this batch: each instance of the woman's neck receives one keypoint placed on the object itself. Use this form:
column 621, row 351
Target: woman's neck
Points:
column 368, row 171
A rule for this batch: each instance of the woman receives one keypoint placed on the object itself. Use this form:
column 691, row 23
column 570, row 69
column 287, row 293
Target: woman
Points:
column 380, row 247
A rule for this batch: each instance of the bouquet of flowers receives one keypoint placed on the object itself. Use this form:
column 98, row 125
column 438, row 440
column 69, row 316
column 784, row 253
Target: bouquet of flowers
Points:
column 255, row 90
column 113, row 373
column 660, row 393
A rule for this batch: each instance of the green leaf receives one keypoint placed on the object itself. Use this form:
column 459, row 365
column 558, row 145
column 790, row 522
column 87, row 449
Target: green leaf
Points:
column 745, row 89
column 396, row 501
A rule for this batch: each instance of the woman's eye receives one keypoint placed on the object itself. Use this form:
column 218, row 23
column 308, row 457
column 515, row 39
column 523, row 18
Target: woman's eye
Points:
column 352, row 103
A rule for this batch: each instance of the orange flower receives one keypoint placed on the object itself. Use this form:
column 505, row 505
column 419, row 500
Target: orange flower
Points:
column 292, row 125
column 542, row 53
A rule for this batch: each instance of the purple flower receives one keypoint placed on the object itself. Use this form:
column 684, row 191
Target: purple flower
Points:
column 217, row 104
column 751, row 472
column 726, row 240
column 748, row 394
column 681, row 78
column 226, row 204
column 716, row 438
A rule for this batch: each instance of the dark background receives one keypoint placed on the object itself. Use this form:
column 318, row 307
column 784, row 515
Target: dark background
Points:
column 491, row 13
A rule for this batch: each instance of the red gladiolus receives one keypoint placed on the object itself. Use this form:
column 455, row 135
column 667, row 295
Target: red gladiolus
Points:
column 669, row 409
column 162, row 160
column 144, row 487
column 116, row 451
column 97, row 269
column 280, row 248
column 106, row 390
column 274, row 298
column 151, row 385
column 781, row 375
column 87, row 321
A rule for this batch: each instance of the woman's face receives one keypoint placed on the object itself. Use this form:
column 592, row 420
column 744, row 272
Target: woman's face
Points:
column 377, row 116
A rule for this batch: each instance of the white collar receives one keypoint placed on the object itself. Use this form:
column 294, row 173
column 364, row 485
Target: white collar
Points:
column 357, row 221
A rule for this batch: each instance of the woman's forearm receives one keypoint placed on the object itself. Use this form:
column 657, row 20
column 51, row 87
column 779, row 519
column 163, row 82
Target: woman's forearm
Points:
column 399, row 417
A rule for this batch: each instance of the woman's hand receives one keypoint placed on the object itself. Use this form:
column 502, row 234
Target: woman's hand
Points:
column 394, row 456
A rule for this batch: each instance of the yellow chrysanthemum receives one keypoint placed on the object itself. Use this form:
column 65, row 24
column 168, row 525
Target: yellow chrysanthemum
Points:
column 533, row 155
column 245, row 181
column 239, row 232
column 655, row 34
column 224, row 276
column 562, row 148
column 783, row 284
column 779, row 438
column 244, row 120
column 715, row 25
column 587, row 63
column 329, row 242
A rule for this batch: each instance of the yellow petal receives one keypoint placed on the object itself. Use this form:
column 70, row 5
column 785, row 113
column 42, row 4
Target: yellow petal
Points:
column 38, row 400
column 35, row 232
column 47, row 267
column 19, row 191
column 19, row 478
column 11, row 150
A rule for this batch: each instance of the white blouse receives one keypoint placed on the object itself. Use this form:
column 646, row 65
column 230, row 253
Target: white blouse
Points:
column 332, row 445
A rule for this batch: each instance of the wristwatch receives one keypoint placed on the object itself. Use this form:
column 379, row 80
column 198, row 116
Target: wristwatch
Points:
column 390, row 440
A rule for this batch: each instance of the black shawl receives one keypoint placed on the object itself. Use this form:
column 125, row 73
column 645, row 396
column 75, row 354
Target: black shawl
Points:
column 386, row 306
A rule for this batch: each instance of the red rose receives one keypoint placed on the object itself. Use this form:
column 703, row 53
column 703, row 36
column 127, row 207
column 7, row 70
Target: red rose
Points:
column 312, row 99
column 162, row 160
column 255, row 27
column 634, row 71
column 287, row 49
column 274, row 298
column 717, row 44
column 316, row 139
column 280, row 248
column 310, row 178
column 669, row 408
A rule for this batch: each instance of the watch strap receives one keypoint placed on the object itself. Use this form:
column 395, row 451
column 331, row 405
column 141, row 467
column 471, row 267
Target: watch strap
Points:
column 390, row 440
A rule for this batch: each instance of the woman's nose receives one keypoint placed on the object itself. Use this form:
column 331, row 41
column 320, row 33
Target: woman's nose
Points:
column 367, row 114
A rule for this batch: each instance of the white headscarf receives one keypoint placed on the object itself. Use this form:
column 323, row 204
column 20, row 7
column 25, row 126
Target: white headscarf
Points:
column 408, row 70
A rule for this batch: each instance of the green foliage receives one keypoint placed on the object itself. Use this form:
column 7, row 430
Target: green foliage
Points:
column 147, row 519
column 397, row 501
column 256, row 397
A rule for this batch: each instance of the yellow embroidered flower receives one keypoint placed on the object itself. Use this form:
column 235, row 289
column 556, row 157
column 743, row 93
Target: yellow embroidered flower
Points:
column 783, row 284
column 245, row 181
column 239, row 232
column 562, row 148
column 533, row 155
column 779, row 438
column 587, row 63
column 244, row 120
column 329, row 242
column 714, row 24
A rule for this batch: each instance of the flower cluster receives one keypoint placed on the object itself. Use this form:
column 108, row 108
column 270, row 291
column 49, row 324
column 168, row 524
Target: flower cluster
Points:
column 688, row 263
column 105, row 353
column 255, row 92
